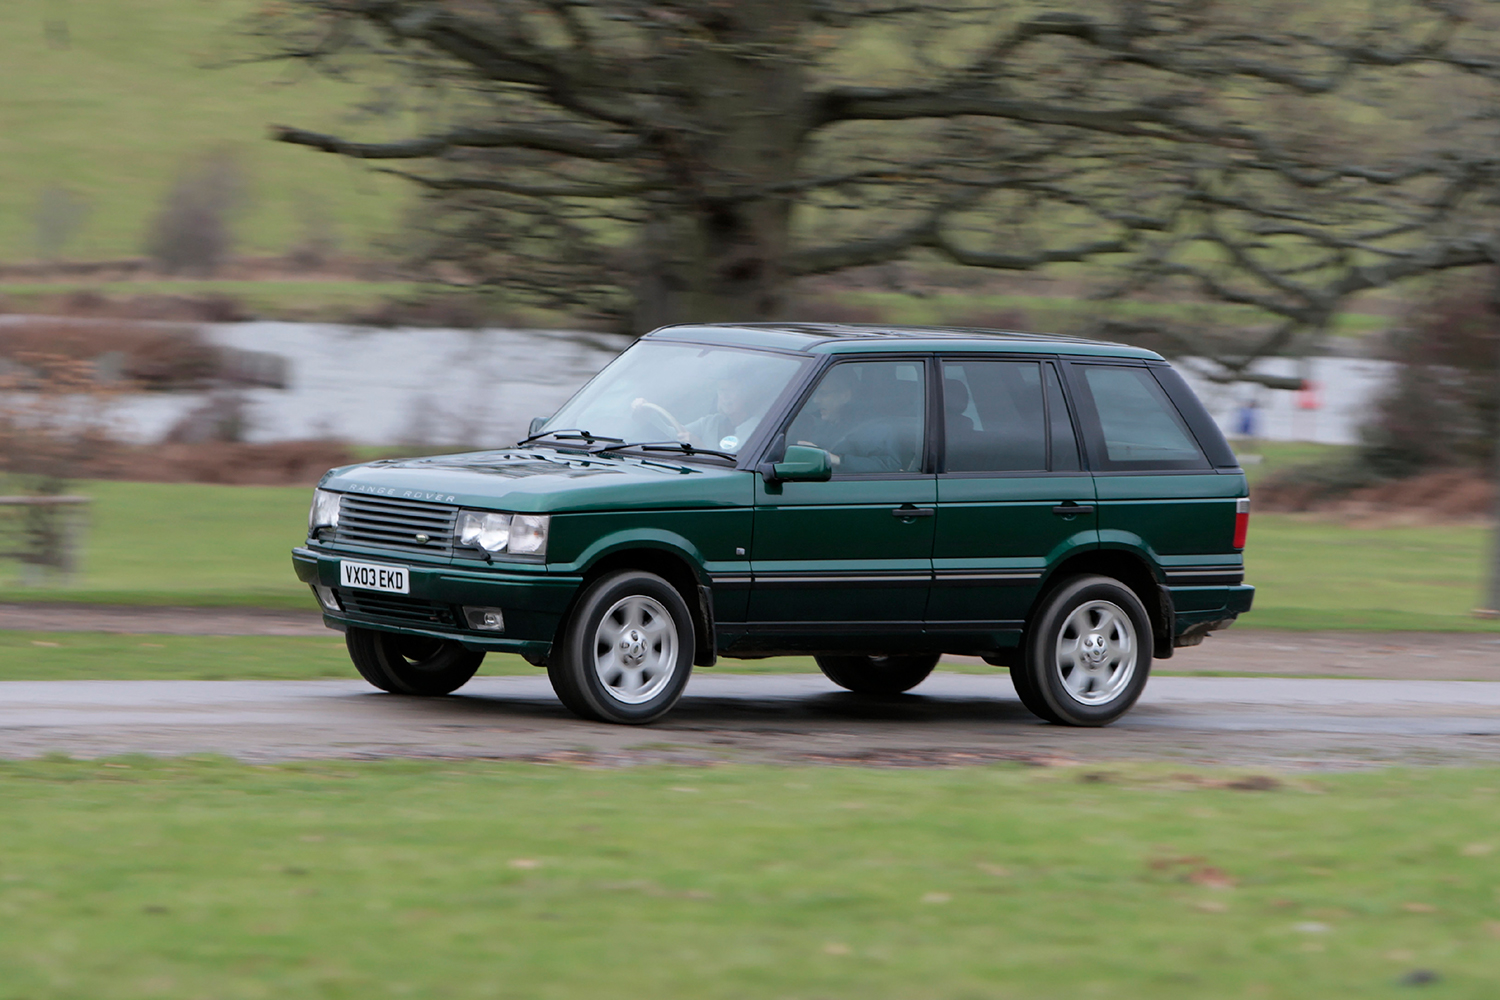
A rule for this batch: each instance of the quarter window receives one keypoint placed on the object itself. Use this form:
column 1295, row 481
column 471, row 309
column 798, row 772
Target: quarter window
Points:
column 1140, row 426
column 868, row 415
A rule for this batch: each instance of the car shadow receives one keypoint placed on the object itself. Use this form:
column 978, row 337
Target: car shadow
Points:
column 706, row 711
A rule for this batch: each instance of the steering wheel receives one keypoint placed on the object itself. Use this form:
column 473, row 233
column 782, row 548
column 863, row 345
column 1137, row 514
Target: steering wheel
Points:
column 657, row 418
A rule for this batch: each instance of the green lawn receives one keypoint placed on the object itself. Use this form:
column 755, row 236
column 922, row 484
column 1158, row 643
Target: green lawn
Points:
column 162, row 879
column 152, row 543
column 68, row 656
column 112, row 114
column 1317, row 574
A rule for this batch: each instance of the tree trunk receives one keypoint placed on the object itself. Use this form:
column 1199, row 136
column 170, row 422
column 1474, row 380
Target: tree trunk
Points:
column 713, row 248
column 1492, row 595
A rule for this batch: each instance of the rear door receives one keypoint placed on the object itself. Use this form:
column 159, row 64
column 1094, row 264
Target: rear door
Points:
column 1012, row 494
column 852, row 556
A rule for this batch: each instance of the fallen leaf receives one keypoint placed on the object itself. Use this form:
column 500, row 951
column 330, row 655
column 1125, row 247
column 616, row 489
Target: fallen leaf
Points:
column 1212, row 878
column 1210, row 906
column 527, row 863
column 999, row 871
column 38, row 642
column 937, row 897
column 1477, row 850
column 1400, row 955
column 835, row 948
column 1167, row 862
column 1419, row 907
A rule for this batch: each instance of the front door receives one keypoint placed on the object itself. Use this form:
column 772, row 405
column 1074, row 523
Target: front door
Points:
column 837, row 561
column 1012, row 496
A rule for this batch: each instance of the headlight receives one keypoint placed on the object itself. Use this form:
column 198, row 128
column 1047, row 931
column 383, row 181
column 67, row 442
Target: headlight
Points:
column 324, row 512
column 518, row 534
column 490, row 532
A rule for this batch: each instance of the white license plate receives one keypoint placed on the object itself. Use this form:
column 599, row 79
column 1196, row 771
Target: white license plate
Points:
column 373, row 576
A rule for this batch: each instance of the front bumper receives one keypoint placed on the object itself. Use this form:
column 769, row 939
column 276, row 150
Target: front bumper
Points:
column 532, row 600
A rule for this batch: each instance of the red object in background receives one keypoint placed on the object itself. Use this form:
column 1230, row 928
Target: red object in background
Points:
column 1241, row 522
column 1310, row 396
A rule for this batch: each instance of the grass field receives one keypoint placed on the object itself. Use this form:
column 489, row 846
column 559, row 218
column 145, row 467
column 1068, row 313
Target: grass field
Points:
column 230, row 545
column 137, row 878
column 111, row 112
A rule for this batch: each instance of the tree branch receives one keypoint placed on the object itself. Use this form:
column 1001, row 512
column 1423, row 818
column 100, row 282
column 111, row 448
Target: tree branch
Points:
column 567, row 140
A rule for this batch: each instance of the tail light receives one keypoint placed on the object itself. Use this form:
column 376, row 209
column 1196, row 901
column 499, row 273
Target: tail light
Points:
column 1241, row 521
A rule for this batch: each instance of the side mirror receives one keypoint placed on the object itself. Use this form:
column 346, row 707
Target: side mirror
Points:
column 535, row 425
column 802, row 464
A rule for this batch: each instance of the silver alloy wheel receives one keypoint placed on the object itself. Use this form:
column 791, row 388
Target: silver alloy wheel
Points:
column 1096, row 652
column 635, row 649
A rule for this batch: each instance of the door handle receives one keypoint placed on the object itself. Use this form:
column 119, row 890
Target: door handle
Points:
column 1070, row 508
column 907, row 511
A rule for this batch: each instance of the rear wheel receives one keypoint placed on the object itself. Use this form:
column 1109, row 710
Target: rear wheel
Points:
column 877, row 674
column 627, row 650
column 411, row 664
column 1088, row 653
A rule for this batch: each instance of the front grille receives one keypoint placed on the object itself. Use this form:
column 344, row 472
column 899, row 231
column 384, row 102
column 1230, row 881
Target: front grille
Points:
column 395, row 524
column 408, row 610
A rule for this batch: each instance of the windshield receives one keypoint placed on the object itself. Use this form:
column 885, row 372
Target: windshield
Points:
column 708, row 397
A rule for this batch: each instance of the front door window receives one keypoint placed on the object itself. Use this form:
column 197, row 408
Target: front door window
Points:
column 867, row 415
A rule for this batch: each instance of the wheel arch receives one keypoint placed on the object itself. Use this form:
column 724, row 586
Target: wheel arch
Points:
column 1134, row 570
column 672, row 563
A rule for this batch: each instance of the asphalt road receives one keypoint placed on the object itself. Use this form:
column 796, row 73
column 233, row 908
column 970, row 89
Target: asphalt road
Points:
column 950, row 719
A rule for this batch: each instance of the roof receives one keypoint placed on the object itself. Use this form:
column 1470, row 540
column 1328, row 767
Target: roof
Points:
column 850, row 338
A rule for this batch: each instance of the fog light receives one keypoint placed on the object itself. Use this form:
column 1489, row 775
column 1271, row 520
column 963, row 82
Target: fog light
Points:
column 326, row 597
column 485, row 619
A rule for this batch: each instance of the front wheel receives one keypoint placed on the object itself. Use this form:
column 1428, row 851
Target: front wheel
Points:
column 411, row 664
column 879, row 675
column 1088, row 653
column 627, row 650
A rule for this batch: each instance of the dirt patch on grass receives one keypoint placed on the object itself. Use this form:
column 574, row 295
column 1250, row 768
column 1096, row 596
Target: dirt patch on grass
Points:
column 1447, row 496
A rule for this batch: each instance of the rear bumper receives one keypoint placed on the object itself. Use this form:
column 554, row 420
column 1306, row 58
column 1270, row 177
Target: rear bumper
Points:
column 1200, row 610
column 533, row 602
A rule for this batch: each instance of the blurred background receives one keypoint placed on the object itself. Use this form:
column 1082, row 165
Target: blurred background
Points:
column 241, row 242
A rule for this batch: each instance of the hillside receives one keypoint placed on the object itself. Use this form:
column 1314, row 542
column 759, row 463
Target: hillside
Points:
column 108, row 98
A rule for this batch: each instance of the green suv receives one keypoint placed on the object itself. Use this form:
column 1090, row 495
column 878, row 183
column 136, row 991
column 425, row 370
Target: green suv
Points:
column 873, row 496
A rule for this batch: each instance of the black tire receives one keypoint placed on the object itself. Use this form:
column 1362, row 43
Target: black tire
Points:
column 877, row 675
column 1020, row 679
column 1088, row 653
column 627, row 650
column 411, row 664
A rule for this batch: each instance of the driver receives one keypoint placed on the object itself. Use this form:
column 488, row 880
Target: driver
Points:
column 849, row 426
column 725, row 429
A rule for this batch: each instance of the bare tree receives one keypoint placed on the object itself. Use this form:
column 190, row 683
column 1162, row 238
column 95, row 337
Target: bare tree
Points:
column 673, row 160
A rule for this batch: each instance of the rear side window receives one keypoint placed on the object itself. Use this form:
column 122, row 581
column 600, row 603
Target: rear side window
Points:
column 994, row 419
column 1137, row 425
column 1005, row 416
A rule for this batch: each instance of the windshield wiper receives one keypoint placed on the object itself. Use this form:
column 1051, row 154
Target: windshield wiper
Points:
column 571, row 434
column 678, row 446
